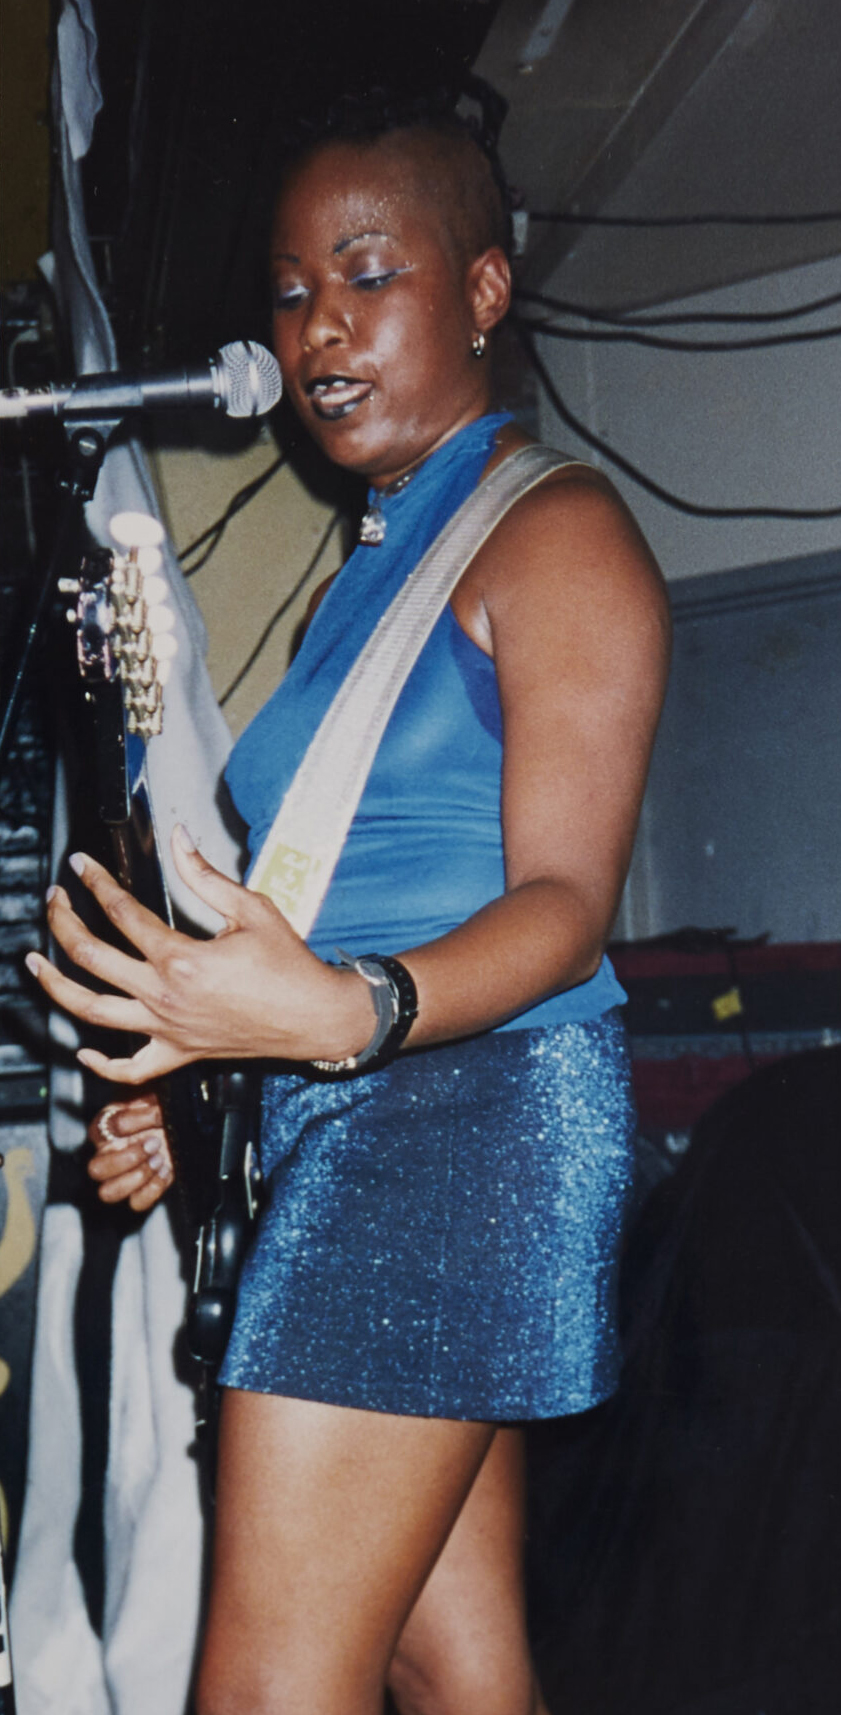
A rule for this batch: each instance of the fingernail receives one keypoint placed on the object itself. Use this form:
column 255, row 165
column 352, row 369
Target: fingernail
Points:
column 83, row 1054
column 152, row 1147
column 156, row 1162
column 76, row 861
column 33, row 963
column 51, row 893
column 184, row 838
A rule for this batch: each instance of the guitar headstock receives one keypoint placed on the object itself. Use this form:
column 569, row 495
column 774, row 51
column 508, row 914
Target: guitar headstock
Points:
column 124, row 629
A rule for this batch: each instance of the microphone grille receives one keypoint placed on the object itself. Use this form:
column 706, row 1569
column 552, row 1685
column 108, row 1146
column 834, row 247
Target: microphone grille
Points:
column 249, row 378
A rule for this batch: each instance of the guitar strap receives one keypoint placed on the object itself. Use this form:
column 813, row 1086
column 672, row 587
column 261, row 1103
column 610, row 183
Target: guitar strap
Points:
column 297, row 859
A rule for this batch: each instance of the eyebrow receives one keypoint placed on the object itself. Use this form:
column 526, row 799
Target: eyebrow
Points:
column 343, row 244
column 356, row 239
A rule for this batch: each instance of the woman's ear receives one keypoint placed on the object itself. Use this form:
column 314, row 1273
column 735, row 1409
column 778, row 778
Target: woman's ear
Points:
column 489, row 288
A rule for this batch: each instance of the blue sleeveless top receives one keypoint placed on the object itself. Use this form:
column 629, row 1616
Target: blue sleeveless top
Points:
column 424, row 850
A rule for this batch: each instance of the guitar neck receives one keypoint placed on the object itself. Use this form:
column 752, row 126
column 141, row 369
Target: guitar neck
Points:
column 124, row 647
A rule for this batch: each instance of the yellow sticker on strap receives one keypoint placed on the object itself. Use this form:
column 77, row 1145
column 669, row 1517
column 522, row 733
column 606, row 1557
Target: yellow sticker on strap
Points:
column 287, row 876
column 727, row 1005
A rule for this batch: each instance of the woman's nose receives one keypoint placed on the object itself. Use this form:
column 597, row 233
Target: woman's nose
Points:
column 325, row 324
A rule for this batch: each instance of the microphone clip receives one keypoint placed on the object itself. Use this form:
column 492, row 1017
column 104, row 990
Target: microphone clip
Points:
column 86, row 444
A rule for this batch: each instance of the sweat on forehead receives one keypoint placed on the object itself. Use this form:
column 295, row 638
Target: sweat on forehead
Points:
column 440, row 167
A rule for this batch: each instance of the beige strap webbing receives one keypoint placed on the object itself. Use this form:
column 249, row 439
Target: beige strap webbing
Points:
column 303, row 846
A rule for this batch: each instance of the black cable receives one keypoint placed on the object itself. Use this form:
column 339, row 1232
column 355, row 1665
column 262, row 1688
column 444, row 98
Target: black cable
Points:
column 690, row 507
column 216, row 531
column 278, row 613
column 663, row 342
column 674, row 319
column 565, row 218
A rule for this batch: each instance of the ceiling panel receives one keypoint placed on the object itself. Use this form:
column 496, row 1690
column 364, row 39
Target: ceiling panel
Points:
column 673, row 107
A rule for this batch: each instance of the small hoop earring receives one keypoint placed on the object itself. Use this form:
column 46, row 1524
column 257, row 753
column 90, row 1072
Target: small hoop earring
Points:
column 479, row 345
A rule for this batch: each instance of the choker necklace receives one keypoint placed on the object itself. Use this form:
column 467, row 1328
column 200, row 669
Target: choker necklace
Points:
column 373, row 527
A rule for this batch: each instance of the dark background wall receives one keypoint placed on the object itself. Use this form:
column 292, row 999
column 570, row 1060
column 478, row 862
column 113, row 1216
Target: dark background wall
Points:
column 742, row 822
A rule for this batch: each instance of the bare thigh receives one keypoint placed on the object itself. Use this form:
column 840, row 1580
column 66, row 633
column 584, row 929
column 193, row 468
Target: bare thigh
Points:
column 329, row 1522
column 464, row 1647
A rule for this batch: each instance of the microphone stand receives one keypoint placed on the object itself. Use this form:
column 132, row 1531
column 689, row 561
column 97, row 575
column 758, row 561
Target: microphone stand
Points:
column 86, row 448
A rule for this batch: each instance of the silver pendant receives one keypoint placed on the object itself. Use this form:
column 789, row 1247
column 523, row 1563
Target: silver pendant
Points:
column 372, row 528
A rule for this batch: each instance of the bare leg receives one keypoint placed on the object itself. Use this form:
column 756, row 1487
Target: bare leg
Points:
column 328, row 1524
column 464, row 1650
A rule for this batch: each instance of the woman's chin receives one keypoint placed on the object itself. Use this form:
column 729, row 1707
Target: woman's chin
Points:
column 352, row 441
column 326, row 423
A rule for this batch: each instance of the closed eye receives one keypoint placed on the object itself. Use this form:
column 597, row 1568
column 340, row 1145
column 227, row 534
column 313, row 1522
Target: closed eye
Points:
column 373, row 282
column 290, row 299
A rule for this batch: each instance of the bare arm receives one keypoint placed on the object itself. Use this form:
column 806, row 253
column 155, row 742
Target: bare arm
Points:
column 570, row 600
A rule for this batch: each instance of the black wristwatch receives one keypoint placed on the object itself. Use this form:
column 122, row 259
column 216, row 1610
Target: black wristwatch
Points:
column 396, row 1004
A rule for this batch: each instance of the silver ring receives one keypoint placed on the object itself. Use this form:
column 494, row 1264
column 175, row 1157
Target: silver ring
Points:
column 111, row 1138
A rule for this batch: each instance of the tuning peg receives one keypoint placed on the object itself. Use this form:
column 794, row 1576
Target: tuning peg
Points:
column 139, row 646
column 128, row 580
column 69, row 586
column 149, row 560
column 136, row 530
column 155, row 590
column 160, row 619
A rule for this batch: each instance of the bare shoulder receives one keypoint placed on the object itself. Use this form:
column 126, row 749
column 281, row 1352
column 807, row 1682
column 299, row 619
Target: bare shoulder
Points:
column 573, row 525
column 572, row 546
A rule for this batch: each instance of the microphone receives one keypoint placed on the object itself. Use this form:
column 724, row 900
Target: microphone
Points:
column 242, row 379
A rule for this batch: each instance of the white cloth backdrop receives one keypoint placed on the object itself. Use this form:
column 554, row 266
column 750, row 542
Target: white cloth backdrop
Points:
column 153, row 1521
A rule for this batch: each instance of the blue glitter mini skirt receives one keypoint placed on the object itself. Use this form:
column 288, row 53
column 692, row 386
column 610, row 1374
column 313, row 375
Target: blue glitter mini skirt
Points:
column 442, row 1236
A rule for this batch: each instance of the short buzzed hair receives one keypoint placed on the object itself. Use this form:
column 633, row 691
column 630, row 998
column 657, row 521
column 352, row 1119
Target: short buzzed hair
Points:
column 462, row 170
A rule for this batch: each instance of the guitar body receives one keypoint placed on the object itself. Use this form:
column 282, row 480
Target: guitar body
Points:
column 211, row 1110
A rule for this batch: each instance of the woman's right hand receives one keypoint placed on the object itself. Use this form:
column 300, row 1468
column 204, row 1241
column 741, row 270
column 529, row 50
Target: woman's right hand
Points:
column 132, row 1157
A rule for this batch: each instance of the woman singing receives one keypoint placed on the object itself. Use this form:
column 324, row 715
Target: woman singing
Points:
column 437, row 1260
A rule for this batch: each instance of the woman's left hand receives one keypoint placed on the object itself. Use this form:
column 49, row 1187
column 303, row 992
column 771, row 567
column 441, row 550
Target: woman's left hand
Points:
column 254, row 991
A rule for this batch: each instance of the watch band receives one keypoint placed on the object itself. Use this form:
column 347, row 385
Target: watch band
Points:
column 396, row 1004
